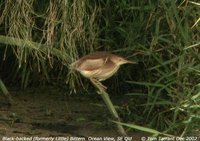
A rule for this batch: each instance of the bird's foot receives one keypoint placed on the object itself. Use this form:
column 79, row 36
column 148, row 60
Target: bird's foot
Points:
column 98, row 84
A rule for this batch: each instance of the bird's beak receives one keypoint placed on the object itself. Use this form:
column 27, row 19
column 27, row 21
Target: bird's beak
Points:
column 130, row 62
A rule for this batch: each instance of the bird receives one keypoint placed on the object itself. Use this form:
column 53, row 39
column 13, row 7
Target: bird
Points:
column 99, row 65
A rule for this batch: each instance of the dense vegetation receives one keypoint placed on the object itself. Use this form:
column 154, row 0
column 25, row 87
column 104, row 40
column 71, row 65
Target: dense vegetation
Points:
column 39, row 39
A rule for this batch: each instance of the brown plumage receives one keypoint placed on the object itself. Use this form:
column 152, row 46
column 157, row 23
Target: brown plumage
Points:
column 99, row 65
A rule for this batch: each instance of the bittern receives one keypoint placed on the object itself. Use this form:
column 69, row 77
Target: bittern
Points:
column 99, row 65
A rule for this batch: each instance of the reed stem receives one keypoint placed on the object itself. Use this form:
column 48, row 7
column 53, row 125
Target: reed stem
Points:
column 110, row 106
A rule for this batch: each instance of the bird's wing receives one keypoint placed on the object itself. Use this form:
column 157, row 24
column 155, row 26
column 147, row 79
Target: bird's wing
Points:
column 92, row 64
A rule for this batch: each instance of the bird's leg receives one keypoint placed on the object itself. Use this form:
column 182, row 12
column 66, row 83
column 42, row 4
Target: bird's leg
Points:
column 101, row 85
column 98, row 83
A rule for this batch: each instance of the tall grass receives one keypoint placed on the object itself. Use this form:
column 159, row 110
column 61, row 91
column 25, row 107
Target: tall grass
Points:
column 169, row 72
column 68, row 26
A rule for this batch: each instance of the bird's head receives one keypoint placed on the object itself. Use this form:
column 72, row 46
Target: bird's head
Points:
column 120, row 60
